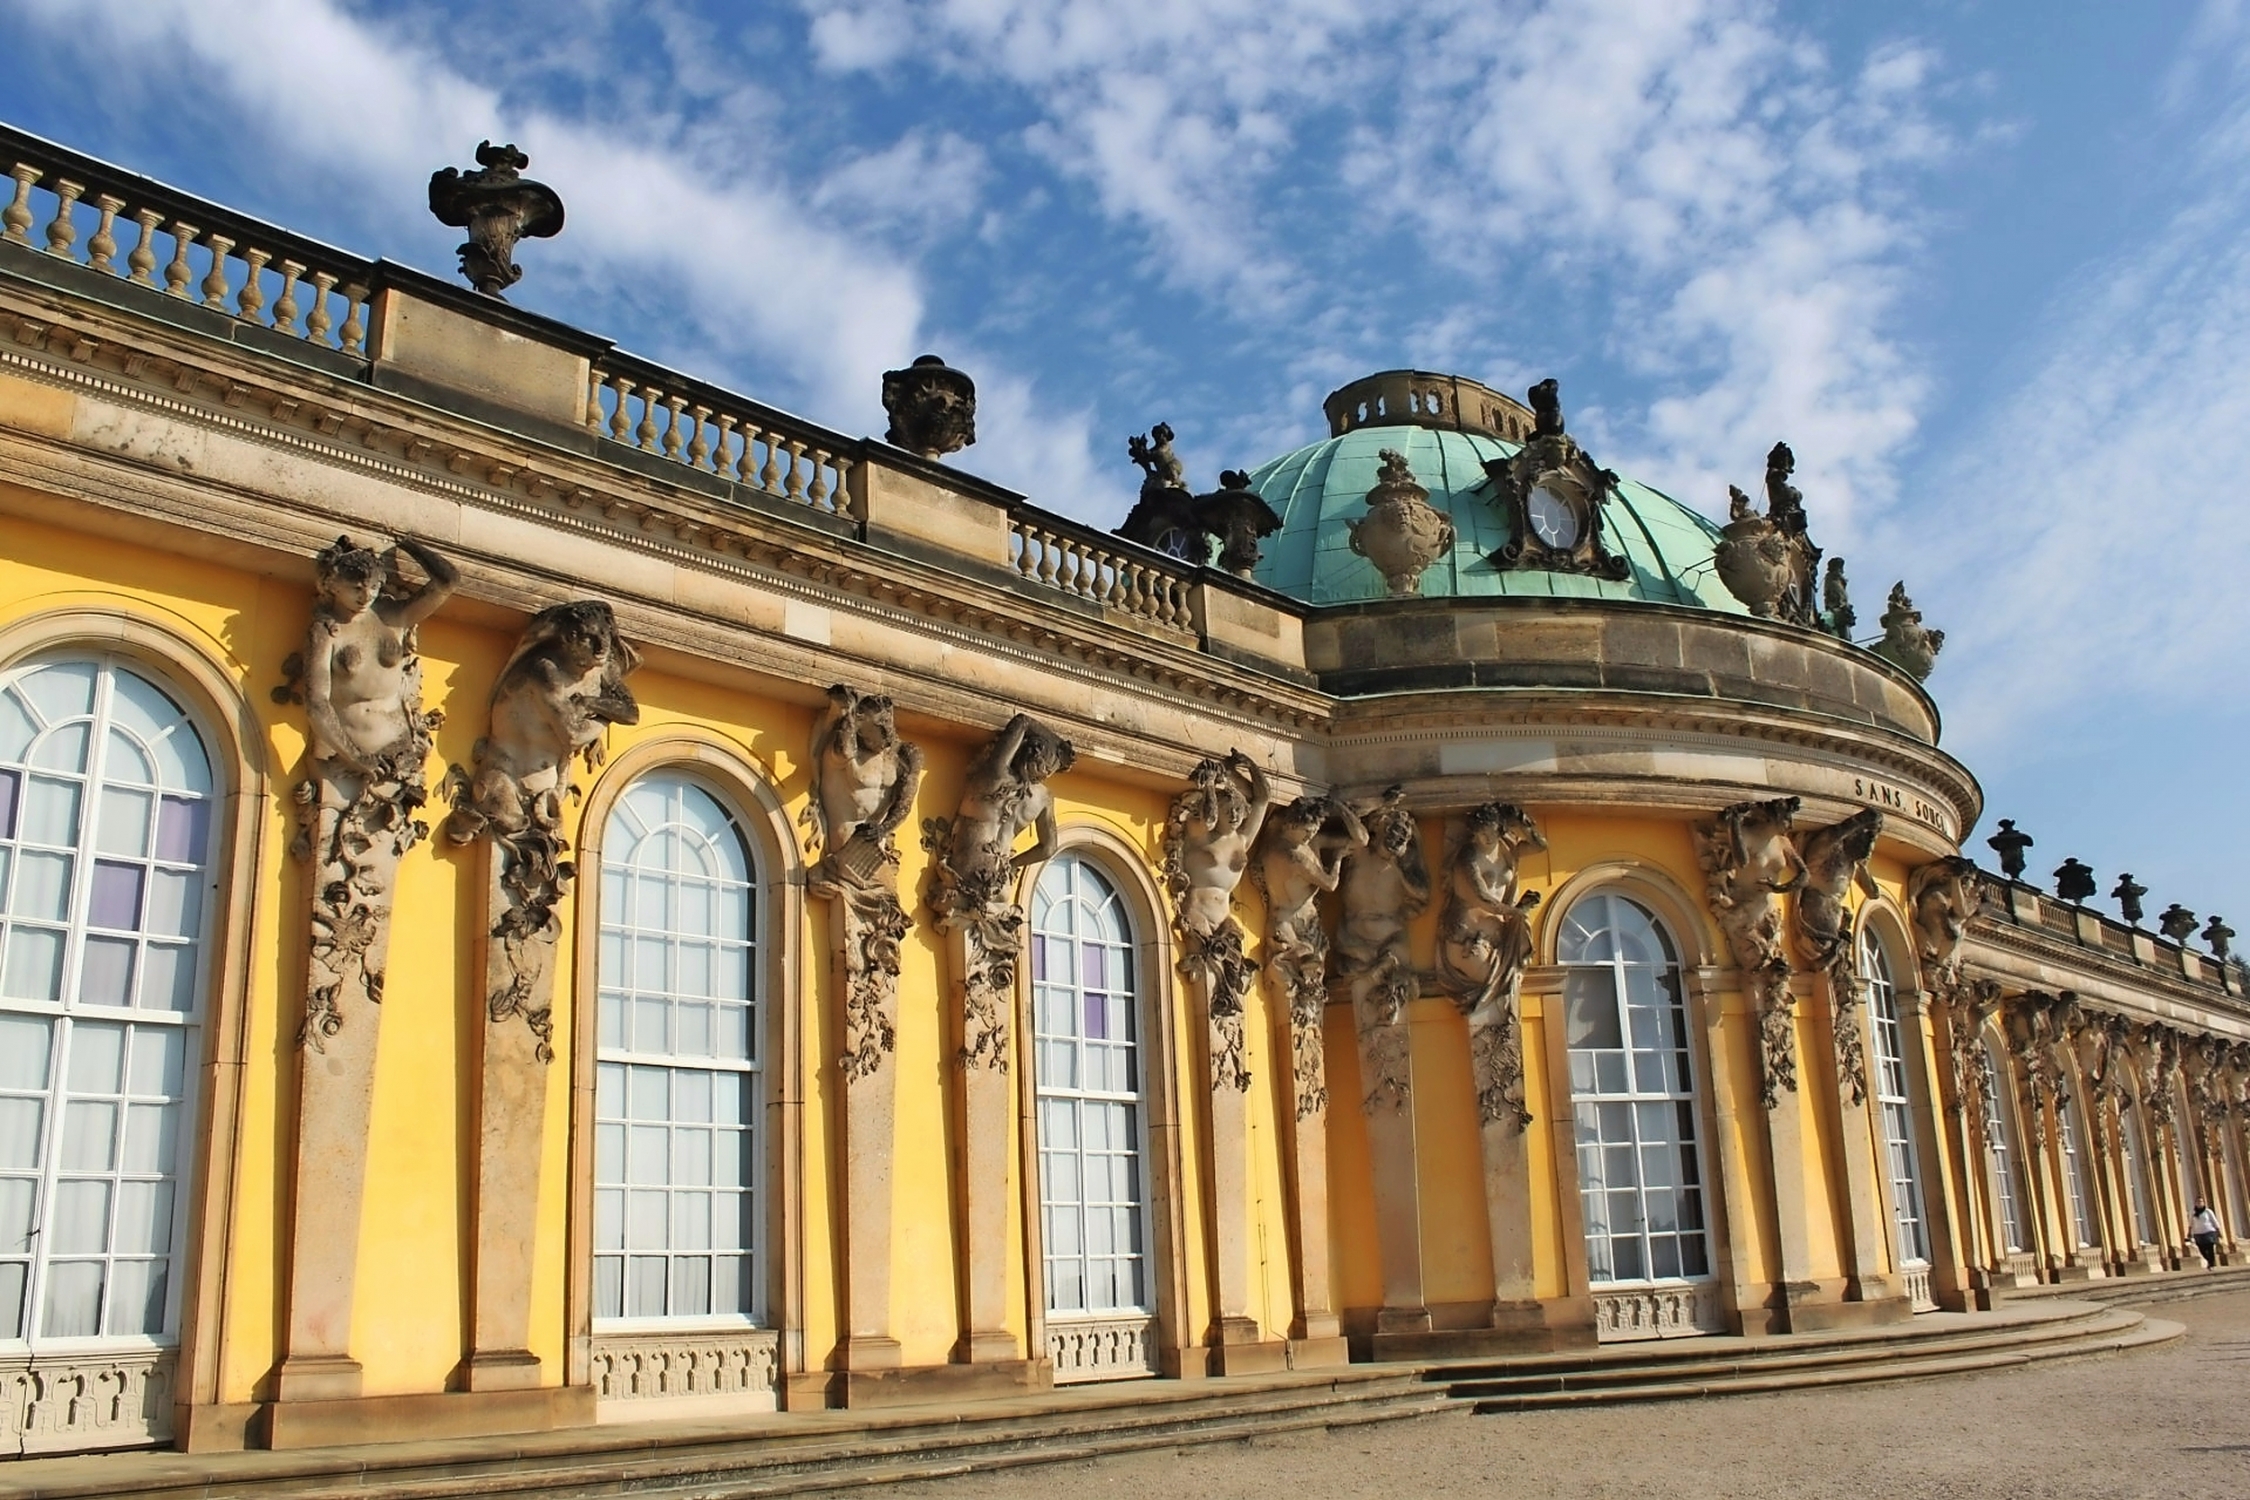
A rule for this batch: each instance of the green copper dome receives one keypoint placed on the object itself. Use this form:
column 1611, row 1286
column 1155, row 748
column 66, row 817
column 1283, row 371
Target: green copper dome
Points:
column 1320, row 488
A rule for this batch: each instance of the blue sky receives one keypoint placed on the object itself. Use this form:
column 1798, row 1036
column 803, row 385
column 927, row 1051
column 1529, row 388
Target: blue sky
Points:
column 1983, row 265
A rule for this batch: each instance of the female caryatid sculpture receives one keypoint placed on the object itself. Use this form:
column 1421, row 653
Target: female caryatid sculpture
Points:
column 554, row 702
column 1835, row 860
column 1208, row 836
column 1484, row 943
column 975, row 872
column 1386, row 885
column 1301, row 858
column 864, row 781
column 1748, row 861
column 361, row 684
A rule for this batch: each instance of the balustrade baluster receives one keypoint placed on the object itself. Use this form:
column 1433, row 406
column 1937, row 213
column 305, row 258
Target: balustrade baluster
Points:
column 1115, row 595
column 253, row 296
column 1066, row 571
column 769, row 478
column 699, row 451
column 15, row 219
column 620, row 420
column 142, row 262
column 61, row 233
column 845, row 501
column 215, row 284
column 285, row 305
column 651, row 404
column 101, row 250
column 722, row 455
column 1050, row 557
column 178, row 273
column 746, row 468
column 595, row 382
column 355, row 318
column 317, row 318
column 672, row 439
column 1024, row 559
column 794, row 485
column 817, row 496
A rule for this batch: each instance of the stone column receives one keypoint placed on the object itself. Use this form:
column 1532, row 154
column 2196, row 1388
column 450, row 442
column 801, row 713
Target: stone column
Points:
column 1799, row 1291
column 984, row 963
column 870, row 1079
column 1745, row 1284
column 1316, row 1335
column 1220, row 984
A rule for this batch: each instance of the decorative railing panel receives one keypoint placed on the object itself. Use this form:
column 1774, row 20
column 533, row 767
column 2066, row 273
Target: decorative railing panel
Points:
column 1676, row 1310
column 737, row 1367
column 1102, row 1348
column 1044, row 550
column 74, row 1403
column 701, row 427
column 1917, row 1279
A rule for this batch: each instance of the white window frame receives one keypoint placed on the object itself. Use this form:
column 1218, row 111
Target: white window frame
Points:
column 1682, row 1103
column 2004, row 1153
column 617, row 840
column 2133, row 1145
column 68, row 1013
column 1125, row 950
column 2076, row 1164
column 1894, row 1106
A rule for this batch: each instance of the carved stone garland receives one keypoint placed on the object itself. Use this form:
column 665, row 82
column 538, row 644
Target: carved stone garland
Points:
column 360, row 681
column 1748, row 861
column 552, row 706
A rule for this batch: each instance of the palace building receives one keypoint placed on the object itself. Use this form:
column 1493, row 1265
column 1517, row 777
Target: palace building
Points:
column 536, row 891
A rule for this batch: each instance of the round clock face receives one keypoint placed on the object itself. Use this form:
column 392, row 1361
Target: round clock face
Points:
column 1554, row 520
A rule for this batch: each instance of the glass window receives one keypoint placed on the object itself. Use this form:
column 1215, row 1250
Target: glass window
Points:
column 2136, row 1172
column 676, row 1073
column 1640, row 1176
column 105, row 846
column 2005, row 1154
column 1893, row 1103
column 1087, row 1075
column 2075, row 1164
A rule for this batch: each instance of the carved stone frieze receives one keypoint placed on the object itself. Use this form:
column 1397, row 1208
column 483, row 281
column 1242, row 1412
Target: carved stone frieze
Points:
column 1906, row 642
column 698, row 1365
column 552, row 705
column 1552, row 493
column 1300, row 858
column 1484, row 942
column 1386, row 884
column 1402, row 533
column 864, row 782
column 1748, row 862
column 973, row 874
column 498, row 206
column 360, row 682
column 1209, row 834
column 79, row 1402
column 1835, row 860
column 932, row 406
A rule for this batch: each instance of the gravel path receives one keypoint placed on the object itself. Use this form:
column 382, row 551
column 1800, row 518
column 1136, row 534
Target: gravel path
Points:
column 2172, row 1421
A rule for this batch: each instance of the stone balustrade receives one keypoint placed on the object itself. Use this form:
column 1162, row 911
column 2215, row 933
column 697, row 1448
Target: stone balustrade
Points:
column 655, row 410
column 1044, row 549
column 84, row 211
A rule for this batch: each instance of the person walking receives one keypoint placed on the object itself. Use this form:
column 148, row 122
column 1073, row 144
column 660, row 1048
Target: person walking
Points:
column 2203, row 1228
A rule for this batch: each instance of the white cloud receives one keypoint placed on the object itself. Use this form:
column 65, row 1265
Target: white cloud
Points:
column 922, row 184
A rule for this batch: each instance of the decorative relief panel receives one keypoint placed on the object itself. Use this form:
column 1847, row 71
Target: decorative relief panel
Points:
column 1682, row 1310
column 1917, row 1279
column 736, row 1366
column 69, row 1405
column 1102, row 1348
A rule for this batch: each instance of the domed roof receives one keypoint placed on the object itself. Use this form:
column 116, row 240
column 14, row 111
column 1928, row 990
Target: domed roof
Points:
column 1321, row 487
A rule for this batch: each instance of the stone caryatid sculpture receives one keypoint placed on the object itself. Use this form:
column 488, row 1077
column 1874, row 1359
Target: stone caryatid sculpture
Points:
column 1484, row 943
column 1208, row 838
column 2160, row 1047
column 864, row 782
column 361, row 684
column 1748, row 862
column 1907, row 644
column 1974, row 1084
column 932, row 407
column 973, row 890
column 1836, row 600
column 2176, row 922
column 2219, row 936
column 499, row 206
column 1835, row 859
column 1299, row 859
column 2009, row 843
column 2128, row 895
column 1402, row 533
column 1386, row 885
column 2074, row 881
column 358, row 804
column 1944, row 894
column 552, row 706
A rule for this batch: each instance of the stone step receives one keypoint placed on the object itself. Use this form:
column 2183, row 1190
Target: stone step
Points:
column 2136, row 1291
column 2137, row 1333
column 1751, row 1360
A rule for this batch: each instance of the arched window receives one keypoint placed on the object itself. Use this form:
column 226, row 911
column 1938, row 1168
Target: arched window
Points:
column 1894, row 1105
column 677, row 1065
column 2005, row 1154
column 105, row 874
column 1088, row 1075
column 2136, row 1172
column 2075, row 1173
column 1640, row 1175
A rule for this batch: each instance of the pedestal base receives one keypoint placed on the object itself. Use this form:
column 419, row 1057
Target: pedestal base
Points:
column 502, row 1370
column 1319, row 1353
column 317, row 1377
column 449, row 1414
column 926, row 1385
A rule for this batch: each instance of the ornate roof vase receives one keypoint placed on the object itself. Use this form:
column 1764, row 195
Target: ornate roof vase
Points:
column 1402, row 533
column 1754, row 559
column 498, row 207
column 1239, row 518
column 932, row 406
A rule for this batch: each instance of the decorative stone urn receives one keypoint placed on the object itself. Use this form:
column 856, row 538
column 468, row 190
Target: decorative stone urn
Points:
column 1402, row 533
column 1753, row 560
column 499, row 207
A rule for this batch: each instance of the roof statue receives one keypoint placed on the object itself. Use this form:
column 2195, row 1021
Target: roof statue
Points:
column 2009, row 843
column 1239, row 518
column 1553, row 495
column 1907, row 643
column 498, row 206
column 1402, row 533
column 2176, row 923
column 1172, row 520
column 1769, row 563
column 2128, row 897
column 932, row 406
column 2074, row 881
column 1836, row 600
column 2219, row 935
